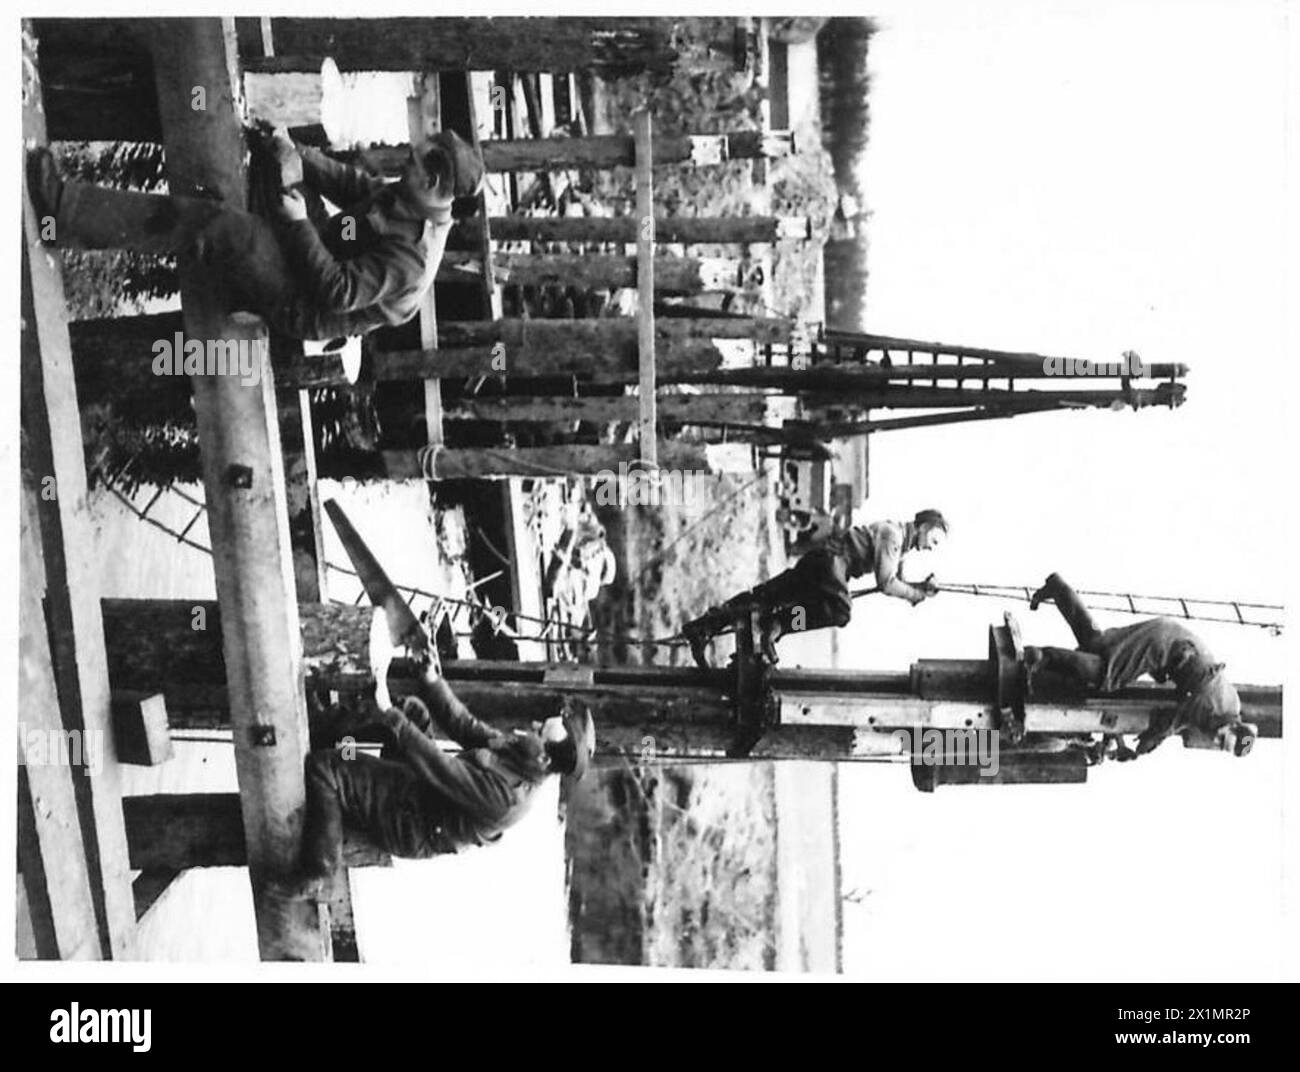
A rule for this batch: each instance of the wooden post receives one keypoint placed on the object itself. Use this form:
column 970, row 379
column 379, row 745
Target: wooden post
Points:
column 243, row 479
column 492, row 307
column 306, row 541
column 423, row 117
column 54, row 479
column 470, row 44
column 689, row 230
column 52, row 857
column 645, row 287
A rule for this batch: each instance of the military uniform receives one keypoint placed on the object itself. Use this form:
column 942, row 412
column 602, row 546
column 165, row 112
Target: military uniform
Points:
column 814, row 592
column 319, row 278
column 426, row 802
column 1162, row 648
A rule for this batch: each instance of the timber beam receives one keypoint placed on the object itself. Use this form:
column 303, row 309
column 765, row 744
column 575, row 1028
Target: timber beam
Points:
column 62, row 635
column 823, row 714
column 244, row 488
column 688, row 230
column 599, row 151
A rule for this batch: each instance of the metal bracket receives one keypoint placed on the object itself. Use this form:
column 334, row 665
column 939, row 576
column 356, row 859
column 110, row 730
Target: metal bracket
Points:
column 755, row 705
column 1007, row 669
column 568, row 674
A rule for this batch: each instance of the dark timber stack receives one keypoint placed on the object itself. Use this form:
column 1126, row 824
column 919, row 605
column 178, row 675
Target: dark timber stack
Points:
column 476, row 44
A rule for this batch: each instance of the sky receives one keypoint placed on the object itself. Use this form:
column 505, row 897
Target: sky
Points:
column 1079, row 179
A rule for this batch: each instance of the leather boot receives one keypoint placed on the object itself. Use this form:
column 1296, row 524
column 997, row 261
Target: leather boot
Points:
column 44, row 184
column 771, row 629
column 700, row 631
column 1047, row 592
column 1076, row 615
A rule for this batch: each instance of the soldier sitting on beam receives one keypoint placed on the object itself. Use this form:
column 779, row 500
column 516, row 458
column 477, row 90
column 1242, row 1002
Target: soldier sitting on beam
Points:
column 1208, row 711
column 814, row 593
column 424, row 801
column 310, row 275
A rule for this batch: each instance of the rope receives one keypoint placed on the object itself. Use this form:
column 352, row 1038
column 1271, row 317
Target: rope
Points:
column 1130, row 600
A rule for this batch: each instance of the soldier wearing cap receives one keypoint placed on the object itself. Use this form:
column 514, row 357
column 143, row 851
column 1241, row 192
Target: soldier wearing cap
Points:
column 310, row 274
column 425, row 801
column 814, row 593
column 1208, row 712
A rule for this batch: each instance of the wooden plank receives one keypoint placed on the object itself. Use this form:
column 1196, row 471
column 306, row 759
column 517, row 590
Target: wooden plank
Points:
column 747, row 408
column 575, row 459
column 424, row 117
column 599, row 350
column 647, row 420
column 516, row 333
column 175, row 831
column 302, row 497
column 54, row 468
column 51, row 853
column 244, row 487
column 470, row 44
column 141, row 729
column 150, row 887
column 603, row 151
column 492, row 307
column 526, row 570
column 595, row 271
column 689, row 230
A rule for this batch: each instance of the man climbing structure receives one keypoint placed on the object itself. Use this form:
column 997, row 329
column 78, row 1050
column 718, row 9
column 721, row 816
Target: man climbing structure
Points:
column 418, row 800
column 1108, row 660
column 309, row 274
column 814, row 592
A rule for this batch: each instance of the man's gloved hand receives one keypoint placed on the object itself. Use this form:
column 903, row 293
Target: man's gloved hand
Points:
column 417, row 714
column 293, row 206
column 924, row 590
column 286, row 155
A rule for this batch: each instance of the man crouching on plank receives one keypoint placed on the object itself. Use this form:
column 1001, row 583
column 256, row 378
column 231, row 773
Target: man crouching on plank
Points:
column 1208, row 706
